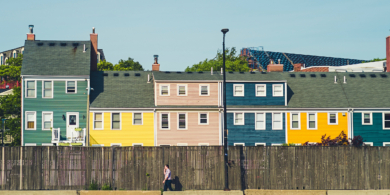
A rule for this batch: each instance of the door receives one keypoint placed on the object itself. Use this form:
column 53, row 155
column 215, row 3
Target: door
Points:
column 72, row 122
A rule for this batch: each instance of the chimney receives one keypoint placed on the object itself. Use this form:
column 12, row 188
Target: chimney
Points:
column 297, row 67
column 388, row 54
column 156, row 65
column 31, row 35
column 94, row 43
column 275, row 68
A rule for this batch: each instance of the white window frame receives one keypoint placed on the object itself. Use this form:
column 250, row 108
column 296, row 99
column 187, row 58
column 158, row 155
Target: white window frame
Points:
column 181, row 144
column 273, row 90
column 25, row 120
column 5, row 61
column 384, row 143
column 239, row 144
column 1, row 59
column 137, row 144
column 264, row 120
column 14, row 54
column 120, row 120
column 383, row 120
column 276, row 144
column 260, row 144
column 164, row 145
column 30, row 144
column 43, row 122
column 142, row 118
column 372, row 143
column 281, row 120
column 178, row 121
column 337, row 118
column 97, row 145
column 94, row 119
column 178, row 91
column 200, row 89
column 308, row 120
column 113, row 144
column 243, row 118
column 165, row 85
column 265, row 90
column 363, row 118
column 47, row 144
column 43, row 89
column 207, row 115
column 234, row 90
column 75, row 87
column 169, row 122
column 25, row 90
column 203, row 144
column 299, row 121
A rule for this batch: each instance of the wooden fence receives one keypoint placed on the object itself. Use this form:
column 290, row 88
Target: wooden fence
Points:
column 201, row 168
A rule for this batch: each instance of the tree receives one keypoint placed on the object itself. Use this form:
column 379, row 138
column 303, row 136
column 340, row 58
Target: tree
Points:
column 103, row 65
column 128, row 64
column 234, row 62
column 10, row 109
column 13, row 68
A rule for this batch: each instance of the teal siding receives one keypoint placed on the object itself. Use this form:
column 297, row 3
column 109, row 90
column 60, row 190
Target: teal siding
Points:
column 59, row 105
column 371, row 133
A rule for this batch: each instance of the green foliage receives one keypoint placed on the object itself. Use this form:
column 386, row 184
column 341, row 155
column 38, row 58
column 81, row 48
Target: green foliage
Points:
column 289, row 144
column 234, row 62
column 375, row 60
column 93, row 186
column 10, row 109
column 13, row 68
column 103, row 65
column 106, row 187
column 128, row 64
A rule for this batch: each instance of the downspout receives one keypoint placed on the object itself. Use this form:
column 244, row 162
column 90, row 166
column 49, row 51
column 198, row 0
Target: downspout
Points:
column 87, row 136
column 22, row 110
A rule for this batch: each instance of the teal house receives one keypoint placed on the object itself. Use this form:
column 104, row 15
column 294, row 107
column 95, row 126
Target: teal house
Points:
column 55, row 91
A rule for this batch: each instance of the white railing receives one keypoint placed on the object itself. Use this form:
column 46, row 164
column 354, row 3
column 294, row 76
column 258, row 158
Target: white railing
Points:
column 78, row 136
column 55, row 135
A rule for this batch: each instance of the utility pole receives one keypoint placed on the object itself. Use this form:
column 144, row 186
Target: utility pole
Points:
column 225, row 131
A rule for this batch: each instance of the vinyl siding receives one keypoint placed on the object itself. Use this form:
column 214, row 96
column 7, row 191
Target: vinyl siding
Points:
column 128, row 134
column 247, row 134
column 371, row 133
column 60, row 104
column 250, row 97
column 308, row 135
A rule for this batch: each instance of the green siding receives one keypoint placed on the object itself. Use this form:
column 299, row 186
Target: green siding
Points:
column 60, row 104
column 371, row 133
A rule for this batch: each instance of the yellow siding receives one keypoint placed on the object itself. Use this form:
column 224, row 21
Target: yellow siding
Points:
column 128, row 134
column 303, row 135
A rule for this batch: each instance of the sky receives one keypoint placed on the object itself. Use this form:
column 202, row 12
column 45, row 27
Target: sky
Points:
column 186, row 32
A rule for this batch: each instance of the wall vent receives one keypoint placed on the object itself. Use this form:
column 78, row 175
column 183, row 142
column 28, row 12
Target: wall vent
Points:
column 39, row 44
column 352, row 75
column 302, row 75
column 116, row 74
column 253, row 72
column 52, row 44
column 75, row 44
column 362, row 75
column 137, row 74
column 189, row 72
column 63, row 44
column 292, row 75
column 127, row 74
column 373, row 75
column 178, row 72
column 383, row 75
column 323, row 75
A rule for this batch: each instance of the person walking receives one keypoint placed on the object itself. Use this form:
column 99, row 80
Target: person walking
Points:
column 167, row 178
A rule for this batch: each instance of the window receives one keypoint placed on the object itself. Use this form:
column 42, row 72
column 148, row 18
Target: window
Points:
column 30, row 121
column 116, row 121
column 367, row 118
column 386, row 120
column 138, row 144
column 261, row 90
column 71, row 87
column 277, row 121
column 332, row 118
column 47, row 120
column 277, row 90
column 164, row 90
column 137, row 120
column 97, row 145
column 98, row 121
column 311, row 121
column 295, row 121
column 47, row 144
column 47, row 87
column 30, row 144
column 260, row 121
column 30, row 89
column 260, row 144
column 165, row 121
column 239, row 144
column 386, row 143
column 203, row 118
column 203, row 144
column 116, row 144
column 368, row 143
column 182, row 144
column 238, row 90
column 204, row 90
column 1, row 60
column 164, row 145
column 239, row 118
column 182, row 122
column 182, row 90
column 276, row 144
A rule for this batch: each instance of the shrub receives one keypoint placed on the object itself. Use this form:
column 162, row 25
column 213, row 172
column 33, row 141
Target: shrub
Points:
column 93, row 186
column 340, row 140
column 106, row 187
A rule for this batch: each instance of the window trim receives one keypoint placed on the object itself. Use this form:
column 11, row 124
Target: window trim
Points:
column 260, row 144
column 182, row 85
column 273, row 90
column 384, row 144
column 35, row 121
column 30, row 144
column 308, row 120
column 200, row 89
column 207, row 115
column 1, row 59
column 363, row 118
column 120, row 120
column 372, row 143
column 135, row 144
column 281, row 120
column 75, row 87
column 299, row 121
column 164, row 145
column 383, row 120
column 43, row 122
column 178, row 121
column 182, row 144
column 234, row 118
column 276, row 144
column 43, row 89
column 97, row 145
column 94, row 120
column 239, row 144
column 264, row 119
column 337, row 118
column 169, row 89
column 112, row 144
column 25, row 90
column 234, row 90
column 169, row 122
column 142, row 118
column 14, row 54
column 265, row 90
column 203, row 144
column 47, row 144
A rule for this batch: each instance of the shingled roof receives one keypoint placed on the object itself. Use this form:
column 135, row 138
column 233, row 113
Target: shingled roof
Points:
column 56, row 58
column 182, row 76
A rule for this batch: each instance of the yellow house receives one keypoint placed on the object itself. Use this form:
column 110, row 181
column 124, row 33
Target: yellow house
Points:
column 311, row 126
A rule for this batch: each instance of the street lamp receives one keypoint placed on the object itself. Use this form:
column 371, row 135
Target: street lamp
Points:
column 225, row 131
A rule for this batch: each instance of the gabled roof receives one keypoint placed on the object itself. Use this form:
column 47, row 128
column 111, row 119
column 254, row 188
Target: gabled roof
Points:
column 121, row 91
column 186, row 76
column 56, row 58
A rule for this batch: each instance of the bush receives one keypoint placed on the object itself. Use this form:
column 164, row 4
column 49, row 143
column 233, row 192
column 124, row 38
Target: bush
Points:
column 93, row 186
column 106, row 187
column 340, row 140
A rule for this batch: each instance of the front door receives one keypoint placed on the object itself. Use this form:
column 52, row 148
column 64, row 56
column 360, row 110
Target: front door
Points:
column 72, row 122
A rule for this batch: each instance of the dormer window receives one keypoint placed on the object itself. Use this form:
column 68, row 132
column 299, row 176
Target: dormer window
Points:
column 261, row 90
column 238, row 90
column 204, row 90
column 164, row 90
column 277, row 90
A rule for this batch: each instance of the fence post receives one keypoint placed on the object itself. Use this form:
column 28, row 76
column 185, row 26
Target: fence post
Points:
column 2, row 168
column 21, row 169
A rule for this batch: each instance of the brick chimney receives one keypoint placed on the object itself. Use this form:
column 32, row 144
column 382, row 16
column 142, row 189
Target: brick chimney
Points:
column 31, row 35
column 156, row 65
column 94, row 42
column 275, row 68
column 298, row 67
column 388, row 54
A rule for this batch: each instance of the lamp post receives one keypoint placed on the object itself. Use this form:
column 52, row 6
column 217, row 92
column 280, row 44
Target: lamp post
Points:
column 225, row 131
